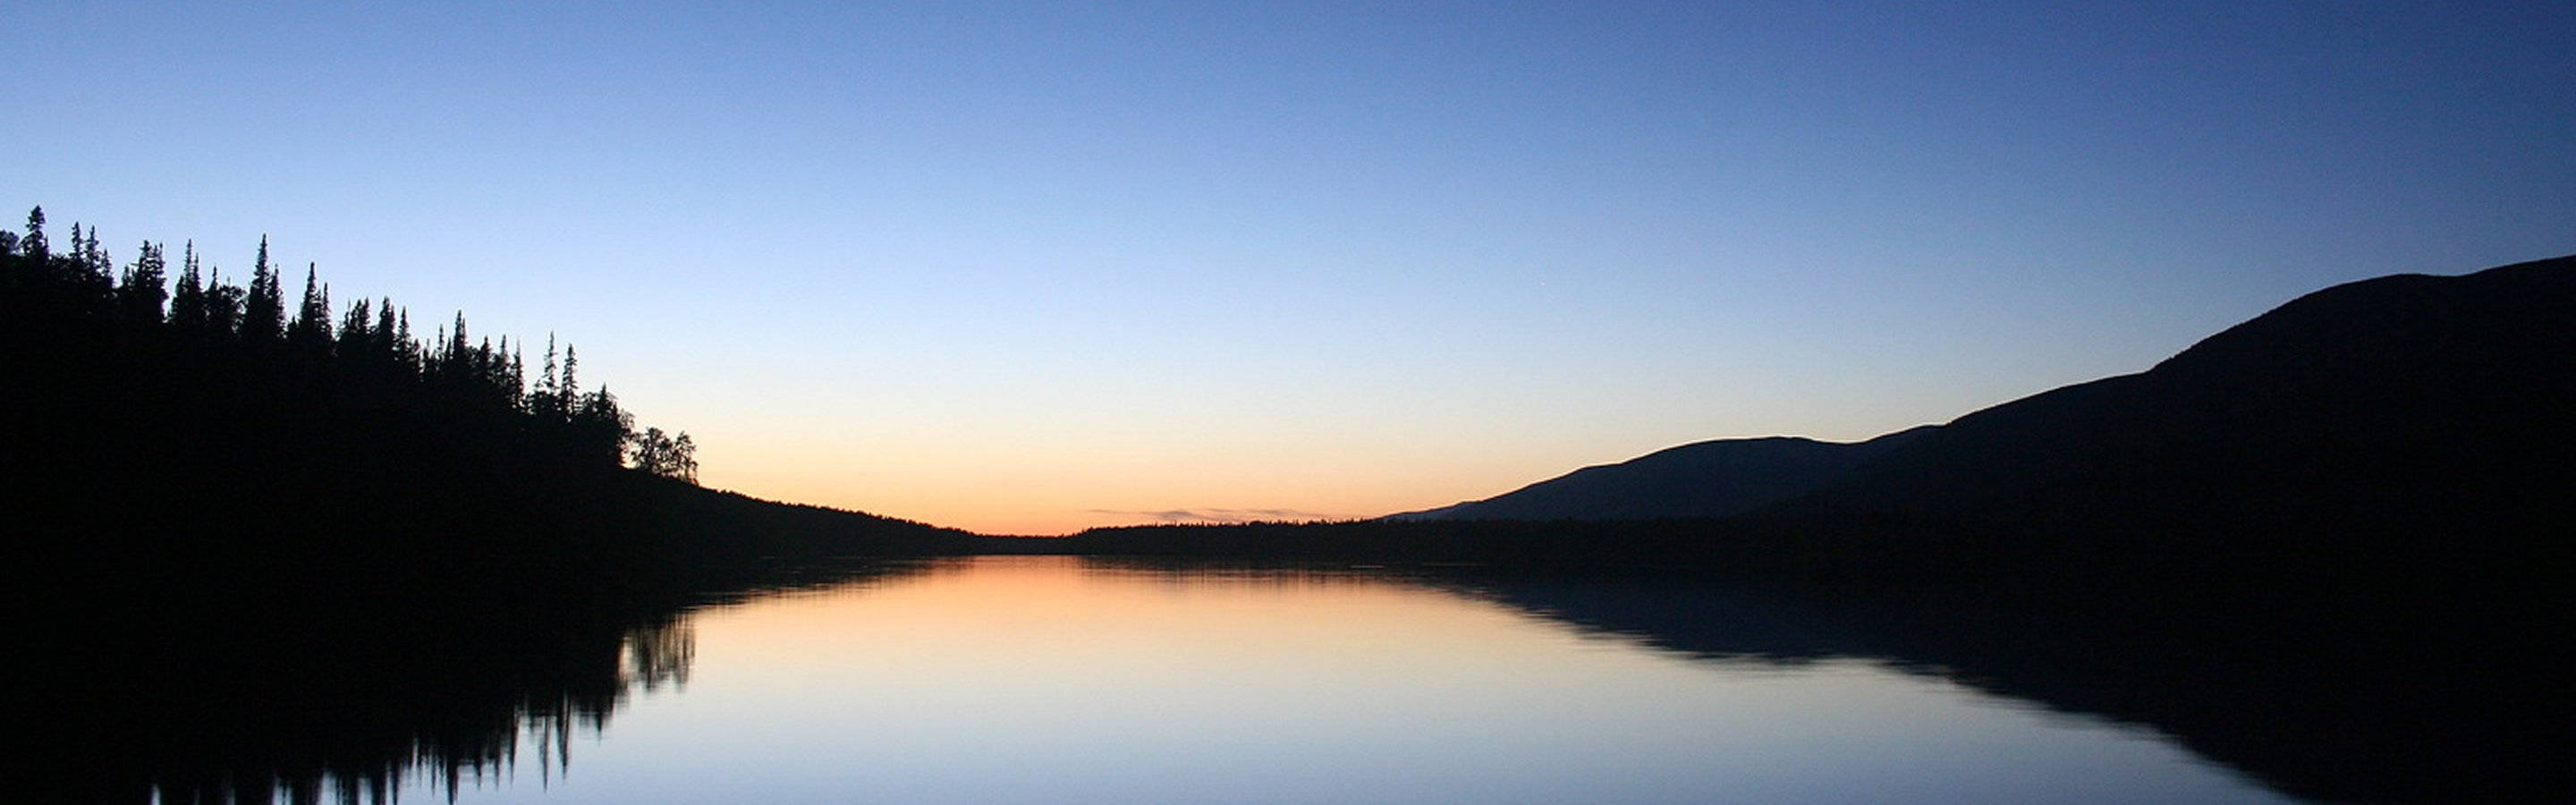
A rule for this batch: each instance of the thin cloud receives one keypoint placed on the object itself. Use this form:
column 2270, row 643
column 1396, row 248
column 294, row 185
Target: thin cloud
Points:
column 1217, row 516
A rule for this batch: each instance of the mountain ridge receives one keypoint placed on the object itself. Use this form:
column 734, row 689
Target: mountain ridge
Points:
column 2397, row 402
column 1713, row 478
column 2359, row 404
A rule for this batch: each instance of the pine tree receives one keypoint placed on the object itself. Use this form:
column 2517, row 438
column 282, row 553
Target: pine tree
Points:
column 405, row 348
column 312, row 326
column 223, row 304
column 454, row 364
column 188, row 302
column 545, row 402
column 389, row 343
column 34, row 244
column 94, row 258
column 264, row 306
column 90, row 275
column 141, row 291
column 484, row 368
column 355, row 340
column 599, row 429
column 519, row 378
column 568, row 390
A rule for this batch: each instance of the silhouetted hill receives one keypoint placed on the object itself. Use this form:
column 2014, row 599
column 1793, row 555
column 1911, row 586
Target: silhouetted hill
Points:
column 2401, row 427
column 2411, row 426
column 1715, row 478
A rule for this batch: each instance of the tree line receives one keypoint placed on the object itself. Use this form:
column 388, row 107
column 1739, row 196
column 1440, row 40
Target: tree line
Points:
column 79, row 291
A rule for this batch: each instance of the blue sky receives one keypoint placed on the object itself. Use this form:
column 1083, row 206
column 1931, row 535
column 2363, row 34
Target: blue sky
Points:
column 1027, row 267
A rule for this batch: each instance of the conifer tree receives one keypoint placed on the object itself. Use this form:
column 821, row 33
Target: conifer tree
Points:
column 91, row 277
column 599, row 429
column 263, row 306
column 388, row 342
column 224, row 303
column 407, row 349
column 94, row 257
column 188, row 302
column 544, row 402
column 355, row 340
column 312, row 326
column 568, row 387
column 34, row 244
column 141, row 291
column 453, row 364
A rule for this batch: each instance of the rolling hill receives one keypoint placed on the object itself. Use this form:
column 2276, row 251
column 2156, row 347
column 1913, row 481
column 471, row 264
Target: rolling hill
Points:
column 1714, row 478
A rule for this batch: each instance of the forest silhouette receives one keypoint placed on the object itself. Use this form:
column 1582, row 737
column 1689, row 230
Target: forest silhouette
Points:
column 214, row 431
column 268, row 546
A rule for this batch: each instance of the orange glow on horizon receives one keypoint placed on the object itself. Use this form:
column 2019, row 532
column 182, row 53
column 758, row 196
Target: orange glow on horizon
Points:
column 1054, row 498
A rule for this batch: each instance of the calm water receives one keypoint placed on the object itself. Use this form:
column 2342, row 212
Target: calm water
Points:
column 1043, row 679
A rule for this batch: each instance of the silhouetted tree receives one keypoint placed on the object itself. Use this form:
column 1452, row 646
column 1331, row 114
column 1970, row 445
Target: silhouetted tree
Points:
column 87, row 276
column 600, row 429
column 546, row 400
column 568, row 387
column 311, row 328
column 355, row 339
column 224, row 304
column 518, row 382
column 405, row 348
column 34, row 244
column 188, row 301
column 263, row 316
column 141, row 291
column 391, row 342
column 658, row 453
column 93, row 258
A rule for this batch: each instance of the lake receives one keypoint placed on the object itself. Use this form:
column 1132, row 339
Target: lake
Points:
column 1057, row 679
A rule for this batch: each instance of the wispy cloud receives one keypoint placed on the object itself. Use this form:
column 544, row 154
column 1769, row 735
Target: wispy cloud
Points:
column 1218, row 516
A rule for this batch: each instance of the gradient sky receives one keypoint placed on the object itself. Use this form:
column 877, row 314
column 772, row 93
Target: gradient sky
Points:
column 1029, row 267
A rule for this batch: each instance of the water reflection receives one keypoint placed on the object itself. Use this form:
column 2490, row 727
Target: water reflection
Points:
column 2312, row 714
column 1056, row 679
column 205, row 694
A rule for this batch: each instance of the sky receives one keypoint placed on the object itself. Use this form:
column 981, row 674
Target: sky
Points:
column 1032, row 267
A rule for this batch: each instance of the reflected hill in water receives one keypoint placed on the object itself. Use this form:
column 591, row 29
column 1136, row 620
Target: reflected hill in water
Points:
column 2333, row 724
